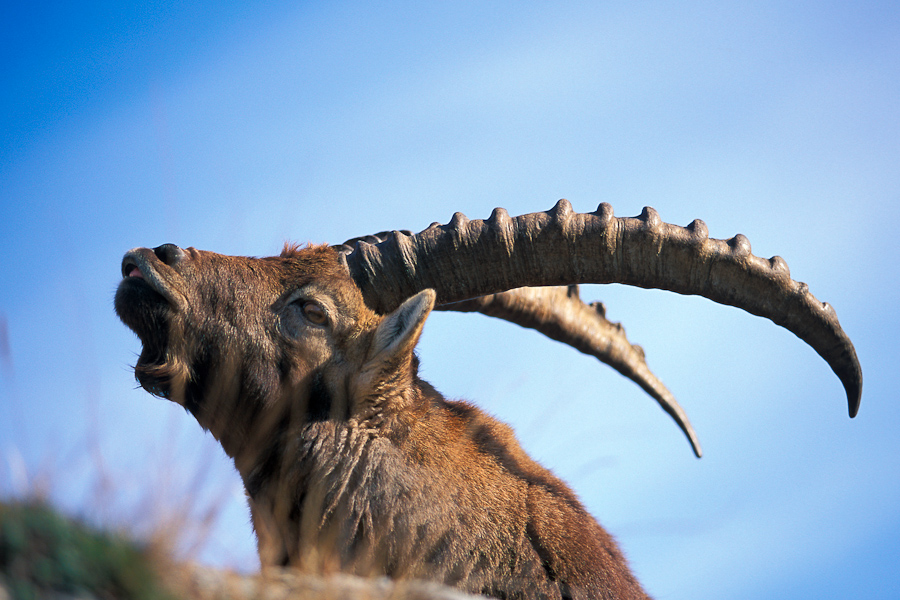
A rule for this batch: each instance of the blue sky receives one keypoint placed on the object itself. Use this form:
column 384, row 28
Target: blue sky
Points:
column 236, row 126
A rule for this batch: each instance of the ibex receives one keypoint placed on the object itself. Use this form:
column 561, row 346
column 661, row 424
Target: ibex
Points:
column 303, row 367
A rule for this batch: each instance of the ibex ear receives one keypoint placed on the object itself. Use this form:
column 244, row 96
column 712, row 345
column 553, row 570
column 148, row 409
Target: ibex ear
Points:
column 400, row 330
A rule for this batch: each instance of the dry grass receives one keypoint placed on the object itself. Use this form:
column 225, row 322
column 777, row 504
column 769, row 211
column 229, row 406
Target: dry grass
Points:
column 43, row 554
column 143, row 548
column 76, row 526
column 46, row 555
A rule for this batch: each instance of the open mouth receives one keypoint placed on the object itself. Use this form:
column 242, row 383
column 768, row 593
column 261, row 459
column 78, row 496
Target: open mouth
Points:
column 132, row 270
column 141, row 292
column 136, row 263
column 150, row 297
column 142, row 263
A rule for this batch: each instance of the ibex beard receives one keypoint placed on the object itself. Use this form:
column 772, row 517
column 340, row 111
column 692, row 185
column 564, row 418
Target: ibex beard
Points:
column 350, row 461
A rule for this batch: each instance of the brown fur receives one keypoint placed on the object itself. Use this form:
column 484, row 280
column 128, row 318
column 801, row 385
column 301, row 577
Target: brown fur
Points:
column 351, row 462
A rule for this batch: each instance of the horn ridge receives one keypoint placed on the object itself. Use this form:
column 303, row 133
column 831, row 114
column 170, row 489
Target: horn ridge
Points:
column 469, row 258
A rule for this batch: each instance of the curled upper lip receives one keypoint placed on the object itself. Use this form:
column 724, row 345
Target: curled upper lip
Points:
column 154, row 272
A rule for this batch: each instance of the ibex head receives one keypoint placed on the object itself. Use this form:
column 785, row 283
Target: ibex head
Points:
column 236, row 339
column 302, row 365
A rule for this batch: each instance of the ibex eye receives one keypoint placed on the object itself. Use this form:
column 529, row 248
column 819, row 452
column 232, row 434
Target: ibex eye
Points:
column 314, row 313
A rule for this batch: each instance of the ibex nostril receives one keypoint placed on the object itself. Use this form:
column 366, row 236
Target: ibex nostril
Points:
column 169, row 254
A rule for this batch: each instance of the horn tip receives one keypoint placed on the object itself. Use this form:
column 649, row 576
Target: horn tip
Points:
column 695, row 445
column 691, row 435
column 851, row 377
column 853, row 400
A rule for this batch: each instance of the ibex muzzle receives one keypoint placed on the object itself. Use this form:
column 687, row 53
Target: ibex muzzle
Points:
column 303, row 367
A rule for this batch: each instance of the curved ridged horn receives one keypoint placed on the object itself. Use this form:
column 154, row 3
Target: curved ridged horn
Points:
column 466, row 259
column 559, row 313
